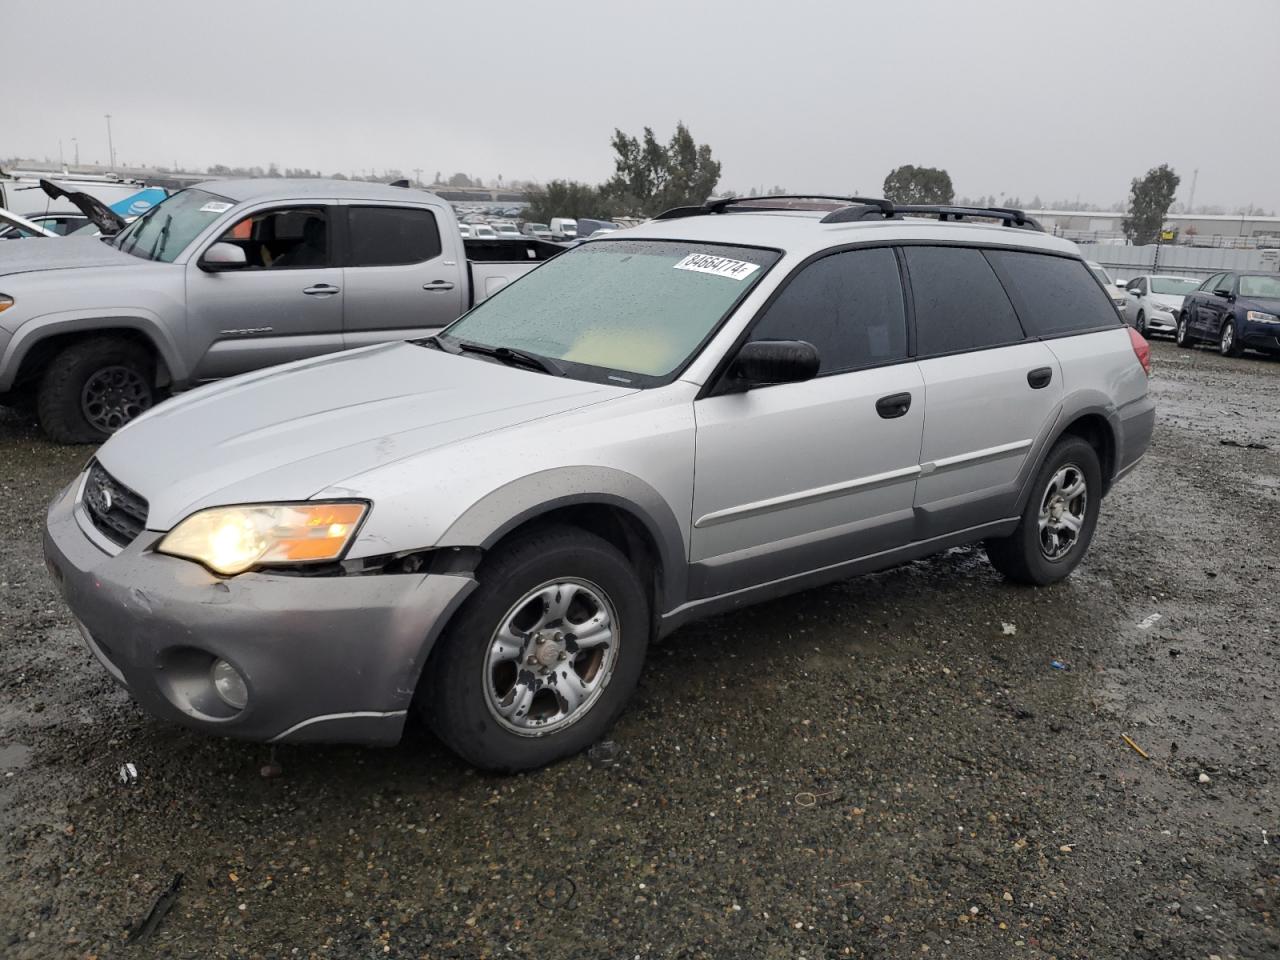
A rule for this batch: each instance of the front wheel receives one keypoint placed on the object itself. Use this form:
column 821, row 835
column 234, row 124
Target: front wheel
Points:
column 1141, row 323
column 1058, row 522
column 543, row 656
column 1181, row 335
column 1228, row 342
column 93, row 388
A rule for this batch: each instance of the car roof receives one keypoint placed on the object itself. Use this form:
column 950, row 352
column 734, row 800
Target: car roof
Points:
column 267, row 187
column 800, row 231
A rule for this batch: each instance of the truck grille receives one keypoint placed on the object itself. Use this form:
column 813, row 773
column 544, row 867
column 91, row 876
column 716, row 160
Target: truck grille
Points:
column 118, row 512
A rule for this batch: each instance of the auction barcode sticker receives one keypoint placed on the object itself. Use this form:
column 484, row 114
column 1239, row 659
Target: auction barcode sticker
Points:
column 718, row 266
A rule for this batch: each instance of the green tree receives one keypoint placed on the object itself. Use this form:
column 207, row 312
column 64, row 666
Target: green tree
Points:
column 563, row 198
column 911, row 184
column 650, row 177
column 1149, row 200
column 460, row 180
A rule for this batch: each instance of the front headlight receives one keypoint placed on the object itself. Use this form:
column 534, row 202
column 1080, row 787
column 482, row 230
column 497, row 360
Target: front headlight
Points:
column 231, row 540
column 1257, row 316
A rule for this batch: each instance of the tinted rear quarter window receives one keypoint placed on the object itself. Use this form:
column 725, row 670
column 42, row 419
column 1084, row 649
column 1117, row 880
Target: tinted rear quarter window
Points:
column 848, row 305
column 392, row 236
column 1054, row 295
column 959, row 303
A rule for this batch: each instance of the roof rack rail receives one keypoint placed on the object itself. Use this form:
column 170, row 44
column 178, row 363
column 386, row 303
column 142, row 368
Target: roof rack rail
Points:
column 722, row 204
column 1008, row 216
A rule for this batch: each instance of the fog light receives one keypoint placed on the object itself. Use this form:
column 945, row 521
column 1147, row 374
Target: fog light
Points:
column 229, row 684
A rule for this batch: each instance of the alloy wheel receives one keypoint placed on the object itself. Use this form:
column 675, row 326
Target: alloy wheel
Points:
column 113, row 396
column 1062, row 512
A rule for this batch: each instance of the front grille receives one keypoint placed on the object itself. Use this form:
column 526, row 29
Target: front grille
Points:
column 118, row 512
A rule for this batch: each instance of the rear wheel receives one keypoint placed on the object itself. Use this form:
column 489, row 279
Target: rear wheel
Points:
column 1228, row 342
column 1058, row 522
column 1181, row 335
column 93, row 388
column 543, row 655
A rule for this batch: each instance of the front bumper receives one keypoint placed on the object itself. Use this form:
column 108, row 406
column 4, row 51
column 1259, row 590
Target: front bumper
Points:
column 1261, row 336
column 1162, row 322
column 332, row 659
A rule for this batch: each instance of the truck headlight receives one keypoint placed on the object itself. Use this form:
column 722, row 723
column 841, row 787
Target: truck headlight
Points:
column 231, row 540
column 5, row 302
column 1257, row 316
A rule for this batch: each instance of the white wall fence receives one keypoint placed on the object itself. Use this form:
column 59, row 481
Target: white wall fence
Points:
column 1126, row 262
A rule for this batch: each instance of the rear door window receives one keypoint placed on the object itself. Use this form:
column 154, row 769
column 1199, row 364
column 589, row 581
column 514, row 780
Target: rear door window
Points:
column 1054, row 295
column 848, row 305
column 392, row 236
column 959, row 303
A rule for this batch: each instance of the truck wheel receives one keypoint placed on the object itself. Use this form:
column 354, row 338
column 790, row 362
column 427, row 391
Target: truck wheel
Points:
column 93, row 388
column 1228, row 342
column 1058, row 522
column 542, row 657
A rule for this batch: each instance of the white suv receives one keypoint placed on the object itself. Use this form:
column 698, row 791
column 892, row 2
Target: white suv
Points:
column 727, row 404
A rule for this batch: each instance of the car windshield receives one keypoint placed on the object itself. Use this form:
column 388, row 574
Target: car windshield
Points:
column 1102, row 275
column 624, row 311
column 1266, row 287
column 1173, row 286
column 164, row 231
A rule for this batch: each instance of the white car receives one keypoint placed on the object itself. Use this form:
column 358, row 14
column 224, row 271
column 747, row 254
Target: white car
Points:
column 1152, row 302
column 483, row 231
column 506, row 230
column 465, row 229
column 1113, row 287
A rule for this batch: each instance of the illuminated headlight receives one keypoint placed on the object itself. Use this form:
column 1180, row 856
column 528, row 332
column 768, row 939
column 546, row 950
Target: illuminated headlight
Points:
column 229, row 684
column 5, row 302
column 231, row 540
column 1257, row 316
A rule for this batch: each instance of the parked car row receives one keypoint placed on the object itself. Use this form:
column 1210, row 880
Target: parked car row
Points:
column 1235, row 312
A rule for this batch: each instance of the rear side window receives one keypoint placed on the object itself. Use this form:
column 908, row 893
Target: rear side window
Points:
column 848, row 305
column 1054, row 295
column 959, row 303
column 392, row 236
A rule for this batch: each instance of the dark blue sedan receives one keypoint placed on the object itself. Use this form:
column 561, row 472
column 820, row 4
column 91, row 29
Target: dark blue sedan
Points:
column 1237, row 311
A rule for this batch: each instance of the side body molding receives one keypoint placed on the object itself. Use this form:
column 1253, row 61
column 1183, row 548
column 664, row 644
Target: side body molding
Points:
column 496, row 514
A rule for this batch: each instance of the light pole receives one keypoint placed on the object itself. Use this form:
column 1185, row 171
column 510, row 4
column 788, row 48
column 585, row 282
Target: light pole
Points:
column 111, row 150
column 76, row 142
column 417, row 176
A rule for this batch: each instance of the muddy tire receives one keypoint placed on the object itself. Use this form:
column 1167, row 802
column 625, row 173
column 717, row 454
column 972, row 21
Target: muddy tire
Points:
column 1059, row 519
column 542, row 657
column 93, row 388
column 1181, row 334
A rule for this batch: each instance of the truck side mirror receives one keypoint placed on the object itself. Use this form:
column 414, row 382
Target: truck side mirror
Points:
column 223, row 256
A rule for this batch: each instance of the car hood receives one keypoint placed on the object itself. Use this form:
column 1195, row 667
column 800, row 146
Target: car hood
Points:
column 1166, row 301
column 1262, row 304
column 68, row 253
column 290, row 432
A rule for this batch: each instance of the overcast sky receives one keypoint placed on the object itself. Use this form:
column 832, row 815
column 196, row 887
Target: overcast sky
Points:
column 1059, row 99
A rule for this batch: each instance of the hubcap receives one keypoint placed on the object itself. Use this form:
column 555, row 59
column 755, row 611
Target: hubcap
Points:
column 1228, row 334
column 113, row 396
column 1062, row 511
column 551, row 657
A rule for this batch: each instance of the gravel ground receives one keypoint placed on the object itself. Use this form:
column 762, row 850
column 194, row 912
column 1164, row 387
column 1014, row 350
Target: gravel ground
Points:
column 880, row 768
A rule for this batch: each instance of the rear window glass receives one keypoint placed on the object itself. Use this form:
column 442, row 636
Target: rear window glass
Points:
column 1054, row 295
column 389, row 236
column 959, row 303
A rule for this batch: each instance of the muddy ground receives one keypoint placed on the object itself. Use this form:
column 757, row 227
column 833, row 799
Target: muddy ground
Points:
column 879, row 768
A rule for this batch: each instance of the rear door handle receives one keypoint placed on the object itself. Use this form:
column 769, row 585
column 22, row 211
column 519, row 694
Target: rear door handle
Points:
column 321, row 290
column 1039, row 377
column 893, row 406
column 438, row 285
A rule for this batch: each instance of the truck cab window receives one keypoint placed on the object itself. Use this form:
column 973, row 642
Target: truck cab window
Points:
column 291, row 237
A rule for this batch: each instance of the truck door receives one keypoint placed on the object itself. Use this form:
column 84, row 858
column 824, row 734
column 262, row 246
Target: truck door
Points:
column 284, row 304
column 400, row 279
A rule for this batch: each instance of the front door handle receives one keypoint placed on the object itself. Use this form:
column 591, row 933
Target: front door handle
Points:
column 893, row 406
column 321, row 290
column 438, row 285
column 1039, row 377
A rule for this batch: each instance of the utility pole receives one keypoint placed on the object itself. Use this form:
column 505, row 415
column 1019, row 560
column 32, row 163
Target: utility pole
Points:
column 76, row 142
column 111, row 149
column 1191, row 203
column 417, row 176
column 61, row 163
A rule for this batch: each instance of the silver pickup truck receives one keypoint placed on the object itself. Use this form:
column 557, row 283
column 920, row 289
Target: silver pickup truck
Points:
column 228, row 277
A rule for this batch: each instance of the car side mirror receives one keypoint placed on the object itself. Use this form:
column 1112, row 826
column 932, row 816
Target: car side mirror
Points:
column 763, row 362
column 223, row 256
column 1221, row 292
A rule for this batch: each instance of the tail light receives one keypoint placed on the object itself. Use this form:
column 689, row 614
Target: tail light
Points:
column 1141, row 349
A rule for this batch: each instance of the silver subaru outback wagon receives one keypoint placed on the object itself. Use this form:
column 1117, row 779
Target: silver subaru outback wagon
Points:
column 489, row 526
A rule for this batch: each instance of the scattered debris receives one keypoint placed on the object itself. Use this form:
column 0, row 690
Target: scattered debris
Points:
column 1204, row 778
column 807, row 799
column 1148, row 622
column 1058, row 665
column 1009, row 629
column 1265, row 841
column 1253, row 445
column 162, row 906
column 605, row 753
column 128, row 774
column 1137, row 749
column 272, row 768
column 557, row 893
column 1065, row 848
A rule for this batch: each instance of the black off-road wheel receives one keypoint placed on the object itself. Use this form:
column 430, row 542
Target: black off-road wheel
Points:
column 542, row 657
column 1058, row 522
column 94, row 387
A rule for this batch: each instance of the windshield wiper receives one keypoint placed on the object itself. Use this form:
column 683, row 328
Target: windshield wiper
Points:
column 514, row 358
column 163, row 239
